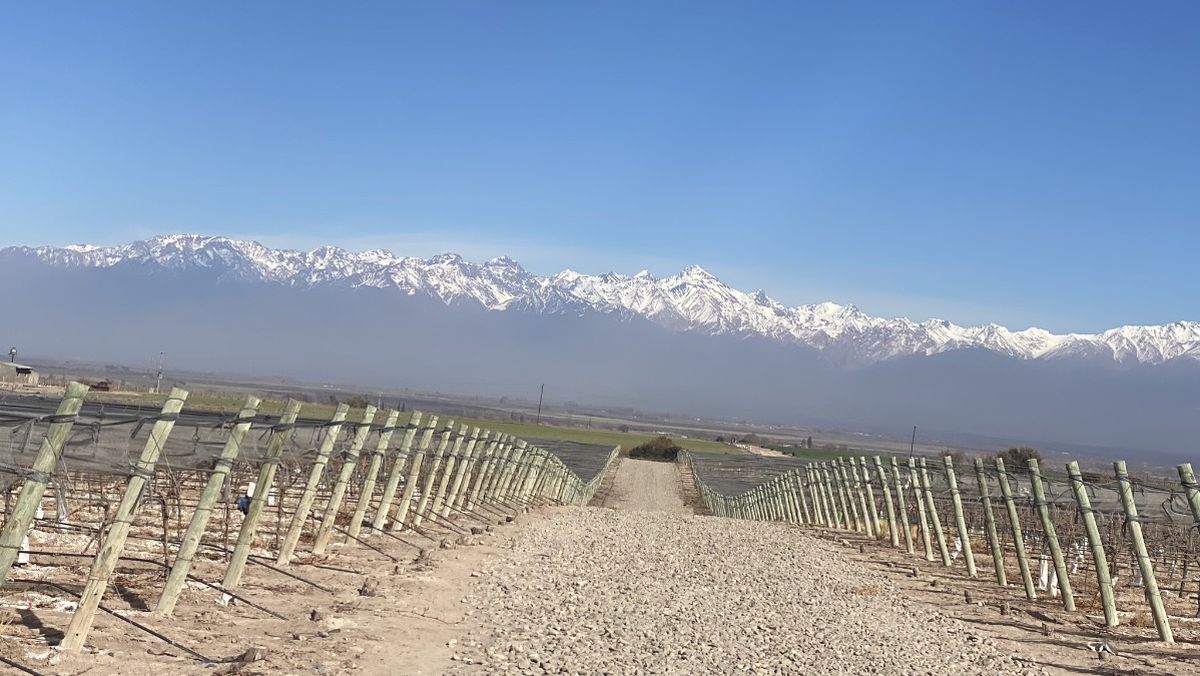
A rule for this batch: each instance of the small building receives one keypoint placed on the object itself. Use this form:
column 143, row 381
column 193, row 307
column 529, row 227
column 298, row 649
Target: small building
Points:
column 17, row 374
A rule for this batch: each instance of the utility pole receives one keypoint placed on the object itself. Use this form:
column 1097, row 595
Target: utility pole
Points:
column 912, row 445
column 540, row 394
column 158, row 378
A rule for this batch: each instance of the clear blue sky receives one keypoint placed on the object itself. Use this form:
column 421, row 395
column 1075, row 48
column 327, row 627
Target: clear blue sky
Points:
column 1020, row 163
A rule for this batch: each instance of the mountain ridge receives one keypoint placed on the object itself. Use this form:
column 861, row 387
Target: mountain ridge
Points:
column 692, row 300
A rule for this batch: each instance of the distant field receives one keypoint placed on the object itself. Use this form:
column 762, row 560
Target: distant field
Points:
column 220, row 401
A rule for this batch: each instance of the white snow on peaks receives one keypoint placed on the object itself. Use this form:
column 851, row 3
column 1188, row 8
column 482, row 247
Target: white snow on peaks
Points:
column 692, row 300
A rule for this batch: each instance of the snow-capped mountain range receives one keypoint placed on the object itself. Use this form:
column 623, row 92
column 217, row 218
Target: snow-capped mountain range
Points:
column 692, row 300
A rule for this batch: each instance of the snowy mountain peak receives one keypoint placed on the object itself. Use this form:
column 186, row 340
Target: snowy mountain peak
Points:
column 692, row 300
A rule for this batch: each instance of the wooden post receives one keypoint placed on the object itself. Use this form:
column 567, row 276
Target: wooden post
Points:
column 349, row 463
column 935, row 521
column 887, row 500
column 874, row 515
column 898, row 484
column 798, row 488
column 1099, row 558
column 432, row 475
column 989, row 524
column 439, row 498
column 1149, row 583
column 288, row 547
column 521, row 458
column 1187, row 479
column 502, row 459
column 479, row 467
column 960, row 521
column 922, row 517
column 204, row 506
column 396, row 471
column 110, row 551
column 491, row 466
column 1014, row 520
column 414, row 473
column 827, row 501
column 512, row 461
column 266, row 477
column 16, row 526
column 860, row 496
column 372, row 477
column 866, row 496
column 833, row 487
column 464, row 467
column 818, row 509
column 850, row 502
column 1043, row 509
column 534, row 471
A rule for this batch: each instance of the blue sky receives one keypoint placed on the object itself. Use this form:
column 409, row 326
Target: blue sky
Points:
column 1023, row 163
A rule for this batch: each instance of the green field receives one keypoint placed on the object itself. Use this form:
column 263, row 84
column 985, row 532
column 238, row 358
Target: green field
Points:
column 229, row 402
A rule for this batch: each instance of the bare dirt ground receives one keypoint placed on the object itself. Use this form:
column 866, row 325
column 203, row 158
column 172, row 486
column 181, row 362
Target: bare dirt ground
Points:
column 637, row 585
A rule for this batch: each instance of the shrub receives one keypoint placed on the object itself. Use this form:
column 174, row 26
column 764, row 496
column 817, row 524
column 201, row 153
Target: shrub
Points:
column 662, row 449
column 1015, row 459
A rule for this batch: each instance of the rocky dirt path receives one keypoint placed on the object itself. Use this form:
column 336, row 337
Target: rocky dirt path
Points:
column 647, row 587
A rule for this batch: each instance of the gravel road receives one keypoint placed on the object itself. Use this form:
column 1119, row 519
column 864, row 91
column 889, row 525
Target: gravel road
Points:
column 649, row 588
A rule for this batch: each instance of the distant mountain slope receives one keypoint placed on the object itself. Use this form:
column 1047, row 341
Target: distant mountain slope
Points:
column 686, row 343
column 692, row 300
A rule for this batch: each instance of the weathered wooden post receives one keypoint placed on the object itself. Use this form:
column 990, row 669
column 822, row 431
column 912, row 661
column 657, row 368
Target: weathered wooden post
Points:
column 535, row 471
column 177, row 578
column 887, row 500
column 522, row 456
column 964, row 536
column 480, row 469
column 288, row 547
column 935, row 521
column 919, row 498
column 858, row 495
column 516, row 457
column 439, row 498
column 1099, row 558
column 349, row 463
column 798, row 490
column 1187, row 478
column 372, row 477
column 414, row 473
column 989, row 524
column 844, row 484
column 783, row 507
column 114, row 542
column 866, row 497
column 1133, row 526
column 871, row 503
column 280, row 435
column 432, row 475
column 396, row 471
column 1048, row 529
column 833, row 486
column 16, row 526
column 464, row 469
column 814, row 491
column 500, row 463
column 898, row 484
column 1014, row 521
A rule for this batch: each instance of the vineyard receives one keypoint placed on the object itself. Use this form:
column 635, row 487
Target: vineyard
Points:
column 135, row 513
column 1120, row 551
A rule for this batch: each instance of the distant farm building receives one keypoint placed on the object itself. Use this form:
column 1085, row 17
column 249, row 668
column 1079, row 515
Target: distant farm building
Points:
column 17, row 374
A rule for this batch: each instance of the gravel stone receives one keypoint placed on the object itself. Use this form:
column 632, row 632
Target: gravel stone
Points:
column 649, row 588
